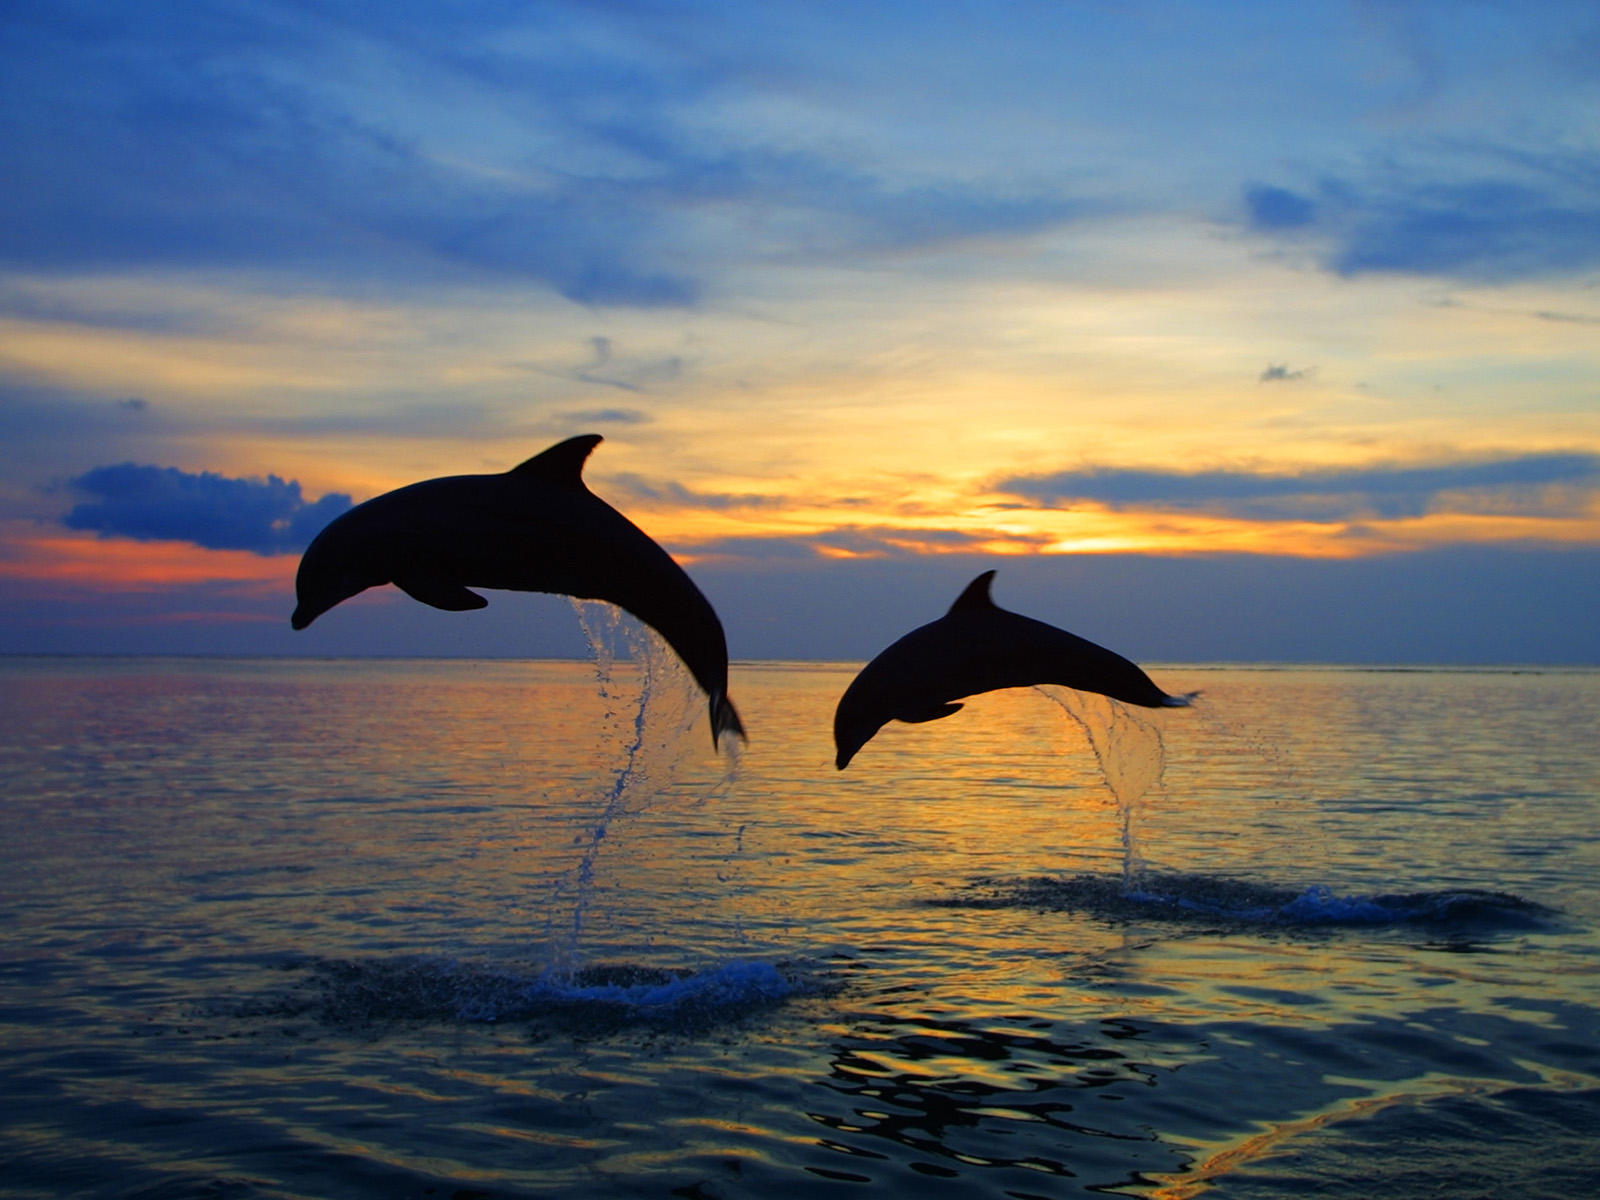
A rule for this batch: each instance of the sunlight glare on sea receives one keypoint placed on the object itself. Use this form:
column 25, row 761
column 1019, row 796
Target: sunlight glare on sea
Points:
column 408, row 928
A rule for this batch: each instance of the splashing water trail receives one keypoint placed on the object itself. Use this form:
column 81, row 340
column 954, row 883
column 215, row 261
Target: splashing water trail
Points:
column 650, row 710
column 1131, row 755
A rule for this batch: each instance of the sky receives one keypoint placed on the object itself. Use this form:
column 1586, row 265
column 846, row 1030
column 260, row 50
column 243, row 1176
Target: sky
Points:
column 1223, row 331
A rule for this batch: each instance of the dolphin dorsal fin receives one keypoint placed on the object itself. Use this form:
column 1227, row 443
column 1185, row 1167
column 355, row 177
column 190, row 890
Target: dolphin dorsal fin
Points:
column 976, row 597
column 562, row 464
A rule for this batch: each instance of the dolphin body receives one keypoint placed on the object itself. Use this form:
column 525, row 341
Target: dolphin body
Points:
column 978, row 647
column 535, row 528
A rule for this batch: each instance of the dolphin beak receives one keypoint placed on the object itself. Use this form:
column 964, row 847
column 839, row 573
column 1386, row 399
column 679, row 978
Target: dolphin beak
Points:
column 301, row 618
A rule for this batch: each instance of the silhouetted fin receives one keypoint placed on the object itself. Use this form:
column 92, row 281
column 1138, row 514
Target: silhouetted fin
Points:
column 562, row 464
column 975, row 598
column 451, row 597
column 937, row 713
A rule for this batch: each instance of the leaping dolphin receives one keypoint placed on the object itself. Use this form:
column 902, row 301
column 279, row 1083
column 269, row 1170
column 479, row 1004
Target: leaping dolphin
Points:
column 535, row 528
column 978, row 647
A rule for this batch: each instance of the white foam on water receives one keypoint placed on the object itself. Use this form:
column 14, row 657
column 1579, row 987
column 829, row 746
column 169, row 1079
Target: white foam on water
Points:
column 730, row 986
column 1180, row 897
column 379, row 991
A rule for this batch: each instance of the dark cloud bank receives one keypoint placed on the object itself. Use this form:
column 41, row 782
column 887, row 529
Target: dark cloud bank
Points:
column 1533, row 484
column 793, row 598
column 266, row 516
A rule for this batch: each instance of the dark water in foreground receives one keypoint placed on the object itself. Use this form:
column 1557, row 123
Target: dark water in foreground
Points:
column 317, row 929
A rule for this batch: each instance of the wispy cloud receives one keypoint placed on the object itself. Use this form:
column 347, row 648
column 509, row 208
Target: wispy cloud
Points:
column 1547, row 484
column 635, row 487
column 540, row 153
column 604, row 367
column 899, row 543
column 1567, row 318
column 147, row 503
column 1489, row 230
column 606, row 416
column 1468, row 212
column 251, row 155
column 1275, row 208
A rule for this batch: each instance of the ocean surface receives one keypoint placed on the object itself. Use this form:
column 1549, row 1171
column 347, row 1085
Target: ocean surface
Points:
column 475, row 930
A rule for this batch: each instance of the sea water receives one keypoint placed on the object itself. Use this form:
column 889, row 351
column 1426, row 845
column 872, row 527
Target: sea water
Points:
column 480, row 929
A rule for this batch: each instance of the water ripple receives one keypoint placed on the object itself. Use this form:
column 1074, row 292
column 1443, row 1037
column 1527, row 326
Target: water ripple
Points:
column 1188, row 898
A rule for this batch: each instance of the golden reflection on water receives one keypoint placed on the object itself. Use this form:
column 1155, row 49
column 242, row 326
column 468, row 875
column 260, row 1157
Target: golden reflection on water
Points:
column 204, row 830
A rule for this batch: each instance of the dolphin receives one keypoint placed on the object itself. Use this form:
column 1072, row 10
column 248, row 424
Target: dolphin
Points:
column 979, row 647
column 534, row 528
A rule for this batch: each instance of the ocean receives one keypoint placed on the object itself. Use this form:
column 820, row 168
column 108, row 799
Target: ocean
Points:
column 483, row 929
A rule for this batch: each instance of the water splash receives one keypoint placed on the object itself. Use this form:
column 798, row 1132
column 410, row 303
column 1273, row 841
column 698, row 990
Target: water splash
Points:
column 596, row 1000
column 1131, row 755
column 1186, row 898
column 650, row 711
column 653, row 711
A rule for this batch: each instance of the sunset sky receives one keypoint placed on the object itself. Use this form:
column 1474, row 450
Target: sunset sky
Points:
column 1222, row 330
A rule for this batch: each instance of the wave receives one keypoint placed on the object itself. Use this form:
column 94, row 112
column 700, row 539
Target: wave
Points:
column 1190, row 898
column 358, row 993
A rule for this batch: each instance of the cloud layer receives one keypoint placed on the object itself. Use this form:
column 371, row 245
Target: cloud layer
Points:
column 1546, row 484
column 1468, row 212
column 532, row 151
column 823, row 272
column 148, row 503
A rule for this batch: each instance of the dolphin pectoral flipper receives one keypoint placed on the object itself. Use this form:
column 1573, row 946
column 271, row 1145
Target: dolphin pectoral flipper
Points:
column 439, row 593
column 937, row 713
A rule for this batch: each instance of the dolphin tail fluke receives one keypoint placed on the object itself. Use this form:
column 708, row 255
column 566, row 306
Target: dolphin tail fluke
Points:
column 1183, row 701
column 724, row 719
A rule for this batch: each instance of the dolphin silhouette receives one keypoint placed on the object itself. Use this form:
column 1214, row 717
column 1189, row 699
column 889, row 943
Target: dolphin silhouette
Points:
column 978, row 647
column 535, row 528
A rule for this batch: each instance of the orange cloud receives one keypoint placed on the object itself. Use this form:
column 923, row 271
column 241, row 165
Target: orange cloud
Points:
column 84, row 562
column 1093, row 529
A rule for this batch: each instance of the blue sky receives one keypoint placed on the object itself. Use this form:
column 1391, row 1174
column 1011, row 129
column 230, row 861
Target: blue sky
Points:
column 1172, row 312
